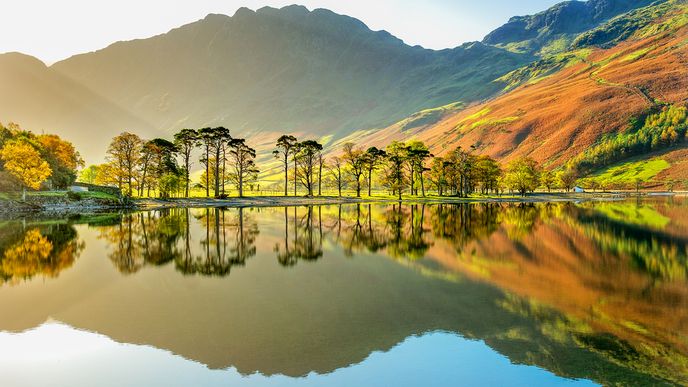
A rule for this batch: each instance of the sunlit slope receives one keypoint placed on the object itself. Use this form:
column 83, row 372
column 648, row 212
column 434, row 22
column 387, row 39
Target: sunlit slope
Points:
column 37, row 97
column 286, row 70
column 558, row 108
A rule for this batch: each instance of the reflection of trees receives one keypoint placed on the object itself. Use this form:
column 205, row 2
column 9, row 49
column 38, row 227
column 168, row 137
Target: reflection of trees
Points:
column 307, row 241
column 520, row 219
column 406, row 231
column 460, row 224
column 230, row 237
column 145, row 238
column 40, row 250
column 159, row 237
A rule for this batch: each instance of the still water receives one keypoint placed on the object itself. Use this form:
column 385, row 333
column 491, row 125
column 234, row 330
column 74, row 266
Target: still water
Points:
column 366, row 295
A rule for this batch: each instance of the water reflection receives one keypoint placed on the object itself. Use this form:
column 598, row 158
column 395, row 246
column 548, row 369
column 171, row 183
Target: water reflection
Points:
column 37, row 250
column 594, row 290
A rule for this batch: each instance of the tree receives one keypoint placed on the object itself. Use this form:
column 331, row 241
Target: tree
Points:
column 243, row 160
column 62, row 158
column 286, row 146
column 205, row 140
column 397, row 156
column 307, row 155
column 89, row 174
column 548, row 180
column 487, row 173
column 25, row 163
column 373, row 158
column 163, row 162
column 567, row 179
column 147, row 152
column 335, row 168
column 438, row 174
column 186, row 140
column 417, row 154
column 355, row 160
column 218, row 138
column 124, row 152
column 523, row 175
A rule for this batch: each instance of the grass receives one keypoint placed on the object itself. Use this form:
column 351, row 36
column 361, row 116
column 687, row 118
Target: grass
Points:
column 56, row 194
column 429, row 116
column 628, row 172
column 631, row 213
column 477, row 115
column 637, row 54
column 490, row 122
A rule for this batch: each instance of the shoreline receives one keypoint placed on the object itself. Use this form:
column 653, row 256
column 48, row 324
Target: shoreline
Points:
column 14, row 208
column 291, row 201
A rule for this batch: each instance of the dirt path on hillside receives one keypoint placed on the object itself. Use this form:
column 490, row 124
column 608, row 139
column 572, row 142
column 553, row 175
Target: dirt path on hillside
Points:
column 594, row 76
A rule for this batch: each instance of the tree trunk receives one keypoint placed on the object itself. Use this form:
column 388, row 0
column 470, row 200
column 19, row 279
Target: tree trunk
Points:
column 370, row 180
column 320, row 178
column 207, row 172
column 286, row 175
column 241, row 182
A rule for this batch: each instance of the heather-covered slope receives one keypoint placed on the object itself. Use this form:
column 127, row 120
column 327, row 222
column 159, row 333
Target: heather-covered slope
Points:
column 575, row 105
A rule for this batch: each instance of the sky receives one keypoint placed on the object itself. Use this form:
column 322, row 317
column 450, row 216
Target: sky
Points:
column 52, row 30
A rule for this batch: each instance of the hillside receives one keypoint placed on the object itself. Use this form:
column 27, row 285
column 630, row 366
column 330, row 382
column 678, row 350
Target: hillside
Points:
column 554, row 30
column 567, row 106
column 270, row 71
column 39, row 98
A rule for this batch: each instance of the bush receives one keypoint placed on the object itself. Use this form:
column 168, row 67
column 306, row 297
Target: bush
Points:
column 74, row 196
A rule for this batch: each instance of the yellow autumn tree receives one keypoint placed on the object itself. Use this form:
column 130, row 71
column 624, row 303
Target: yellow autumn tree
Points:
column 25, row 163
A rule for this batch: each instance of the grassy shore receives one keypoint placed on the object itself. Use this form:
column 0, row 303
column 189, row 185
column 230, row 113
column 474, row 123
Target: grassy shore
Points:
column 60, row 202
column 278, row 201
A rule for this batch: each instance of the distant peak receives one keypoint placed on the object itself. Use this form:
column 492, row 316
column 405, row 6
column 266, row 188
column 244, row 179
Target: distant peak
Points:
column 290, row 10
column 18, row 57
column 243, row 11
column 295, row 8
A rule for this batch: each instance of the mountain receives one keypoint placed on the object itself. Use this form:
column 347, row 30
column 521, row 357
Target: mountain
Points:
column 553, row 30
column 278, row 70
column 44, row 100
column 582, row 105
column 273, row 71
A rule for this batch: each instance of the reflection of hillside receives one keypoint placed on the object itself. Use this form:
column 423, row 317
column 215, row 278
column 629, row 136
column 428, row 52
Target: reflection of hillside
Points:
column 36, row 250
column 581, row 264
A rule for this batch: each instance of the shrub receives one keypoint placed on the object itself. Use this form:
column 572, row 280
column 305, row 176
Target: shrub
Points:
column 74, row 196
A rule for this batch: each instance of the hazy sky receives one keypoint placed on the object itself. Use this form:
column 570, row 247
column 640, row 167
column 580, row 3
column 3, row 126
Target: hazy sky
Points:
column 56, row 29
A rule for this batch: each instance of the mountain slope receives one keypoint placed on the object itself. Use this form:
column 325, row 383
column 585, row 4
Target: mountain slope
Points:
column 284, row 70
column 594, row 94
column 553, row 30
column 43, row 100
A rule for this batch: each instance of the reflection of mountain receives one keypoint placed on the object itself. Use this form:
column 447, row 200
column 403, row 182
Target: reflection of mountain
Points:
column 560, row 302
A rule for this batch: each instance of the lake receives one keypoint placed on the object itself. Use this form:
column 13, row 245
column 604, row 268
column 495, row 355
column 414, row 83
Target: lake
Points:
column 358, row 294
